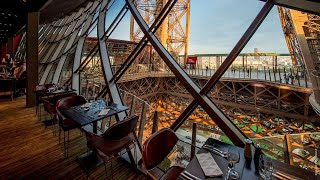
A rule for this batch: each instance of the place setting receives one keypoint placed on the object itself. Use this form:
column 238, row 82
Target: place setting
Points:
column 216, row 160
column 215, row 163
column 56, row 89
column 97, row 108
column 93, row 111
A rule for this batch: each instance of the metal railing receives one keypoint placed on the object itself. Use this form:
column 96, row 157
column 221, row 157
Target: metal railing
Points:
column 290, row 76
column 300, row 150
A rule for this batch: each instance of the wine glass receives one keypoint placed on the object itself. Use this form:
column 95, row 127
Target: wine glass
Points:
column 233, row 158
column 265, row 167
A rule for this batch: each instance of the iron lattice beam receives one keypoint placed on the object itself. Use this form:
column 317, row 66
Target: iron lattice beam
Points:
column 200, row 95
column 300, row 5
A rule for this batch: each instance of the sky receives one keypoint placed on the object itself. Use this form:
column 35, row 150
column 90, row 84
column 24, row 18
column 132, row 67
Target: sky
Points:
column 217, row 25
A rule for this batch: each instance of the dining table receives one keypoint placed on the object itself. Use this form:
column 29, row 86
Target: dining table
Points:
column 7, row 84
column 247, row 168
column 53, row 96
column 90, row 113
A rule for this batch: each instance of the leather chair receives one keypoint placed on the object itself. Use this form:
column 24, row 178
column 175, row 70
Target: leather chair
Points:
column 64, row 123
column 116, row 138
column 49, row 106
column 21, row 84
column 39, row 99
column 156, row 148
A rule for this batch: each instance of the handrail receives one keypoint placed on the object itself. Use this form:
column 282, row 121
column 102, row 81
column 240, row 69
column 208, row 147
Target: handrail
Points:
column 278, row 76
column 121, row 90
column 278, row 136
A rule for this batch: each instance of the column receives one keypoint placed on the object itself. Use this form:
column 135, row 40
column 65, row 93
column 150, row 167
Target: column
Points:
column 217, row 62
column 276, row 63
column 32, row 56
column 242, row 61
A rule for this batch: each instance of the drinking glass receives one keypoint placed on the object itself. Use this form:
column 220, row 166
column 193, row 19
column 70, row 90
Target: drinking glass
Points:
column 233, row 158
column 265, row 167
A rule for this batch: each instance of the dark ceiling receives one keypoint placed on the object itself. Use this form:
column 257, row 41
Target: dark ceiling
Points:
column 13, row 13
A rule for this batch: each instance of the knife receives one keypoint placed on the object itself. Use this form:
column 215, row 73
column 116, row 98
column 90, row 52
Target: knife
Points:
column 215, row 151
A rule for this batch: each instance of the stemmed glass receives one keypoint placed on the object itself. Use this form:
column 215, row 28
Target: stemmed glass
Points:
column 233, row 158
column 265, row 167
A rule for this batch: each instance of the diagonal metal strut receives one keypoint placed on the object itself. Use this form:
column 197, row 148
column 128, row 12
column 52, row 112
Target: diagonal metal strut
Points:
column 200, row 96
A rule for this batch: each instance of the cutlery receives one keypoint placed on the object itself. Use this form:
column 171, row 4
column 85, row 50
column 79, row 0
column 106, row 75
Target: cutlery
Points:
column 185, row 176
column 189, row 176
column 215, row 151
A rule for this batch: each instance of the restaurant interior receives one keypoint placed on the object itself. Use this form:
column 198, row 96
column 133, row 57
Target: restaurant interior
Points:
column 79, row 102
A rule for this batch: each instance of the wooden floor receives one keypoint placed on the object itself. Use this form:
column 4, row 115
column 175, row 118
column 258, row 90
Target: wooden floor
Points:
column 30, row 151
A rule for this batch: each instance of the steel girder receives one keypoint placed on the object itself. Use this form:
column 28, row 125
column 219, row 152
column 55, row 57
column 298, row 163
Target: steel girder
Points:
column 290, row 36
column 113, row 90
column 302, row 36
column 200, row 96
column 288, row 102
column 140, row 46
column 58, row 42
column 268, row 101
column 173, row 34
column 56, row 37
column 300, row 5
column 78, row 53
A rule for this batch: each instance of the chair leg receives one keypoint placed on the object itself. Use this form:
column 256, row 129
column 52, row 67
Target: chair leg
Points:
column 105, row 167
column 39, row 112
column 64, row 143
column 59, row 133
column 111, row 169
column 135, row 157
column 52, row 124
column 68, row 146
column 88, row 174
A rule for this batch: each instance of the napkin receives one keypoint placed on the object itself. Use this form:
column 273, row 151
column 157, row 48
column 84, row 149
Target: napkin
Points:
column 209, row 165
column 103, row 112
column 86, row 105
